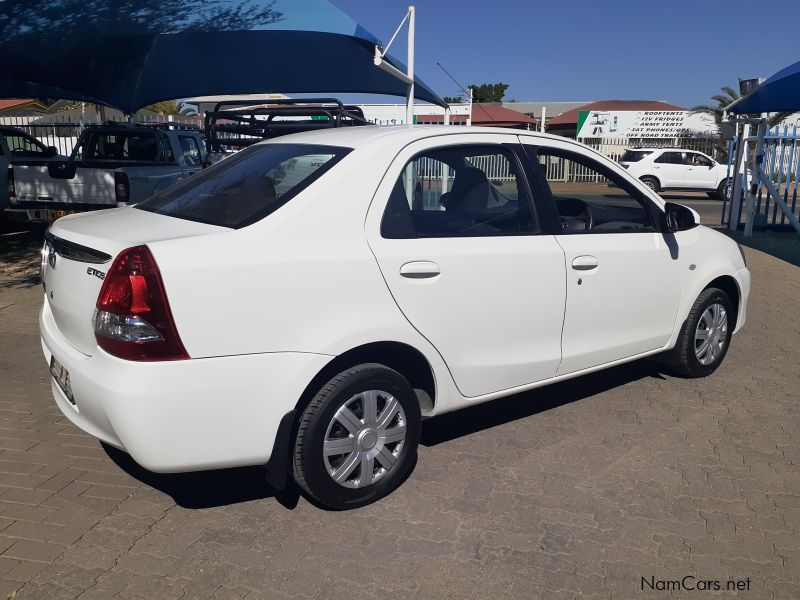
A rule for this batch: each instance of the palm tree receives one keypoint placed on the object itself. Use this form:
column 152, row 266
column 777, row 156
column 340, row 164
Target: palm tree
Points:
column 727, row 96
column 726, row 128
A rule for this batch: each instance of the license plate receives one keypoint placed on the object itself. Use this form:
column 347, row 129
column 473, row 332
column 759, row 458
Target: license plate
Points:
column 61, row 375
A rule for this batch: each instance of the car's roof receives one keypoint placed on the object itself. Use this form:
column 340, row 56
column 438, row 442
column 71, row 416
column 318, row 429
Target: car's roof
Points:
column 353, row 137
column 667, row 149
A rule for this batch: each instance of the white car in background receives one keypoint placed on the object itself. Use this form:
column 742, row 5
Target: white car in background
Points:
column 296, row 306
column 674, row 169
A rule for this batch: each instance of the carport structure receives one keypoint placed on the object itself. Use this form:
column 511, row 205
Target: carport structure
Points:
column 128, row 55
column 765, row 181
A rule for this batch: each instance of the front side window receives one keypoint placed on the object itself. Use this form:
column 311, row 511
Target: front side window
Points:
column 459, row 191
column 190, row 151
column 590, row 197
column 246, row 187
column 697, row 160
column 23, row 146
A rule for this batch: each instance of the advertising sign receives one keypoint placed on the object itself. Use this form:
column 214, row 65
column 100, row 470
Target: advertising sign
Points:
column 645, row 124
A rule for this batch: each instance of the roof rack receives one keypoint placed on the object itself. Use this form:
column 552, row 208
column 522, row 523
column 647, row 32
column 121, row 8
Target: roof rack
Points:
column 127, row 124
column 234, row 124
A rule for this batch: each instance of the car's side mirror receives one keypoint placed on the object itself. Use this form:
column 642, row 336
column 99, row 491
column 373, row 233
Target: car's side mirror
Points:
column 51, row 151
column 678, row 217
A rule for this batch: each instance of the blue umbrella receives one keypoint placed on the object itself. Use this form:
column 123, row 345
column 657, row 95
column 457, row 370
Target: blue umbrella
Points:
column 781, row 92
column 131, row 53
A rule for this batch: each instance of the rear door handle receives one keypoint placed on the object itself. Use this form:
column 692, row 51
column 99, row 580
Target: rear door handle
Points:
column 584, row 263
column 420, row 269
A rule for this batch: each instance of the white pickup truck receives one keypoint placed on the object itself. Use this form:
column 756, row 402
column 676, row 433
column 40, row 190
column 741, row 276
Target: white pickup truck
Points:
column 111, row 165
column 17, row 147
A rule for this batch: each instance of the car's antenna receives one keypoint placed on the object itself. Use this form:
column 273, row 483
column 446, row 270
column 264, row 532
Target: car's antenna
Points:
column 468, row 92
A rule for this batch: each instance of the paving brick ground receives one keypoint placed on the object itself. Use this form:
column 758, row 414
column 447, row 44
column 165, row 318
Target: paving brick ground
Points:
column 573, row 491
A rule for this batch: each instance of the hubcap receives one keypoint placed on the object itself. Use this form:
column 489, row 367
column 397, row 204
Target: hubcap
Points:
column 711, row 334
column 364, row 439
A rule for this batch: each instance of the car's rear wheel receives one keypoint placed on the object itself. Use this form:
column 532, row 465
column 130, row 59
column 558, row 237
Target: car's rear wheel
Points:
column 652, row 183
column 706, row 334
column 357, row 439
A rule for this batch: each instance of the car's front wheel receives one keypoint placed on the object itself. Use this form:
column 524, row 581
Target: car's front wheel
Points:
column 706, row 334
column 357, row 439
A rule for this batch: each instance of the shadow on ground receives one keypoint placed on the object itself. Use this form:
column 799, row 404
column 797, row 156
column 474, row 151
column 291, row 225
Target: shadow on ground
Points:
column 784, row 245
column 527, row 404
column 20, row 244
column 207, row 489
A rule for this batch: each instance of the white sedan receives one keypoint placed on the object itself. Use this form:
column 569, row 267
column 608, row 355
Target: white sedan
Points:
column 305, row 303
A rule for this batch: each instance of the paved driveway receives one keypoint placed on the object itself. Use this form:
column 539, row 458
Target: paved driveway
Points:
column 579, row 490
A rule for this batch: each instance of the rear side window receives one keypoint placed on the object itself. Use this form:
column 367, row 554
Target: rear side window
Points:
column 634, row 155
column 247, row 187
column 459, row 191
column 670, row 158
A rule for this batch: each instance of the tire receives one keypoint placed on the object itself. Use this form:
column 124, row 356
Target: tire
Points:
column 652, row 183
column 690, row 361
column 324, row 423
column 721, row 189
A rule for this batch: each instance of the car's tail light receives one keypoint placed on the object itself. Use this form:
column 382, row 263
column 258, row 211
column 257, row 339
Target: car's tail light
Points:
column 12, row 191
column 133, row 319
column 122, row 188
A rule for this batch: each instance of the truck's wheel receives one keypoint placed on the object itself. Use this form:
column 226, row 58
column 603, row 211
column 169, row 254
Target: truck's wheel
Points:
column 652, row 183
column 357, row 439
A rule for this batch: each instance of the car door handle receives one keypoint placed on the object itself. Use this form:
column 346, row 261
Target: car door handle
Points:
column 420, row 269
column 584, row 263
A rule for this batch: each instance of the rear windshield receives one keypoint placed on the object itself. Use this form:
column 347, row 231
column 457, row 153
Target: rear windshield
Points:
column 246, row 187
column 634, row 155
column 123, row 146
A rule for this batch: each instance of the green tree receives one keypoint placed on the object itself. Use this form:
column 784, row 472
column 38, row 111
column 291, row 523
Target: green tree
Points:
column 488, row 92
column 453, row 99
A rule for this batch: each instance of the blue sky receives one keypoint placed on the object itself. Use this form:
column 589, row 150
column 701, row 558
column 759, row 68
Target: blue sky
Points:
column 681, row 51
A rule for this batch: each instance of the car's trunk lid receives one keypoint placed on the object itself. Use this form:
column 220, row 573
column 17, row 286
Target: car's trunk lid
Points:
column 80, row 250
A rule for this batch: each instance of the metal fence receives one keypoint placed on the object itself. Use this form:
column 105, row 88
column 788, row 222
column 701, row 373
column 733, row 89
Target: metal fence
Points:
column 62, row 133
column 777, row 168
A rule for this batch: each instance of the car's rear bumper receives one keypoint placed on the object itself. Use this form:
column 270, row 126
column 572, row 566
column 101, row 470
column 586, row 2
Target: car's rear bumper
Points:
column 181, row 415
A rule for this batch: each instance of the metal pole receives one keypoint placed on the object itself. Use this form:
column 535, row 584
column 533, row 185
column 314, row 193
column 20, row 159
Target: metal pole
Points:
column 752, row 190
column 544, row 116
column 736, row 196
column 469, row 116
column 410, row 89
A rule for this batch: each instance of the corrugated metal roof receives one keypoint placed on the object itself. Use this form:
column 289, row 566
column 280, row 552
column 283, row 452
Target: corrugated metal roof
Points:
column 554, row 108
column 571, row 116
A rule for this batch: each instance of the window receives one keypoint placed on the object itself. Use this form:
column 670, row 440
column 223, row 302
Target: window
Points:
column 20, row 145
column 590, row 197
column 459, row 191
column 671, row 158
column 190, row 151
column 246, row 187
column 634, row 155
column 697, row 160
column 123, row 146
